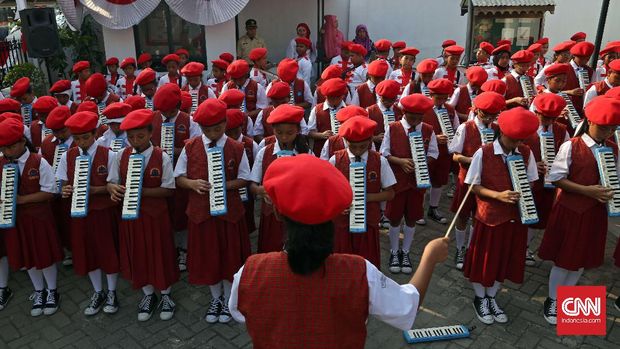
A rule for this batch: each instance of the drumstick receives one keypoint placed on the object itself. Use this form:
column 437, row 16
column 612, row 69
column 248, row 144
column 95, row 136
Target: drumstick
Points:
column 458, row 211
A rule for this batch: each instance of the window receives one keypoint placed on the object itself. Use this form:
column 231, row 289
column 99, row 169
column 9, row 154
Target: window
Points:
column 521, row 31
column 163, row 32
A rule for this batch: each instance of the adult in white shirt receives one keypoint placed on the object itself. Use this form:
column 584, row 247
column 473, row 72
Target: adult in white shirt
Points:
column 303, row 31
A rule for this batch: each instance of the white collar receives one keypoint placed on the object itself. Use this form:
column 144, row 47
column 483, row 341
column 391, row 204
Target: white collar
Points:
column 498, row 150
column 91, row 150
column 370, row 84
column 147, row 153
column 589, row 141
column 407, row 126
column 220, row 142
column 364, row 156
column 480, row 124
column 68, row 141
column 382, row 107
column 194, row 89
column 22, row 159
column 515, row 74
column 574, row 65
column 172, row 119
column 607, row 82
column 326, row 105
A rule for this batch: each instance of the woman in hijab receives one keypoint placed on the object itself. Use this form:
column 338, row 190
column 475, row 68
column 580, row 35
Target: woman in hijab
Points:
column 332, row 38
column 362, row 38
column 303, row 31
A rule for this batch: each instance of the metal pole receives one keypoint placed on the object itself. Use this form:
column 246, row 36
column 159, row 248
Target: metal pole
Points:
column 599, row 33
column 470, row 23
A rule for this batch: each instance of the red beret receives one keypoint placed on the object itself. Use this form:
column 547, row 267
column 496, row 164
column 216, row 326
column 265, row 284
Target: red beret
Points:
column 193, row 69
column 349, row 112
column 332, row 71
column 112, row 61
column 543, row 41
column 82, row 122
column 287, row 175
column 611, row 47
column 20, row 87
column 333, row 87
column 232, row 97
column 497, row 86
column 556, row 69
column 563, row 46
column 279, row 90
column 487, row 47
column 170, row 58
column 603, row 111
column 96, row 85
column 578, row 36
column 167, row 97
column 441, row 86
column 186, row 101
column 136, row 102
column 517, row 123
column 287, row 70
column 210, row 112
column 490, row 102
column 615, row 65
column 416, row 103
column 258, row 53
column 116, row 111
column 11, row 131
column 502, row 48
column 378, row 68
column 549, row 104
column 9, row 104
column 410, row 51
column 61, row 86
column 57, row 117
column 146, row 76
column 45, row 104
column 303, row 41
column 388, row 89
column 145, row 57
column 358, row 129
column 346, row 45
column 234, row 118
column 399, row 44
column 476, row 75
column 228, row 57
column 9, row 115
column 127, row 61
column 220, row 63
column 238, row 69
column 447, row 43
column 81, row 65
column 504, row 42
column 286, row 113
column 427, row 66
column 182, row 51
column 383, row 45
column 535, row 47
column 522, row 56
column 88, row 106
column 454, row 50
column 137, row 119
column 359, row 49
column 583, row 48
column 613, row 93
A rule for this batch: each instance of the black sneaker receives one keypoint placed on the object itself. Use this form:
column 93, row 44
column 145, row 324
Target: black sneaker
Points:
column 68, row 260
column 52, row 302
column 394, row 263
column 405, row 264
column 459, row 258
column 213, row 313
column 38, row 302
column 111, row 303
column 451, row 191
column 617, row 304
column 550, row 311
column 385, row 223
column 146, row 307
column 182, row 259
column 497, row 312
column 225, row 315
column 167, row 307
column 434, row 214
column 5, row 296
column 96, row 302
column 530, row 261
column 483, row 313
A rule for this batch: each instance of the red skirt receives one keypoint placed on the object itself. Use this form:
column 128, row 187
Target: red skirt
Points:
column 177, row 204
column 408, row 203
column 249, row 213
column 216, row 250
column 61, row 209
column 365, row 244
column 34, row 243
column 2, row 243
column 271, row 233
column 496, row 253
column 575, row 240
column 440, row 169
column 544, row 201
column 617, row 254
column 147, row 252
column 469, row 208
column 95, row 241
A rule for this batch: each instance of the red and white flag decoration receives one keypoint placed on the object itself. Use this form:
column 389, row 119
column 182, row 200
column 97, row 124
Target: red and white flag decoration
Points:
column 120, row 14
column 207, row 12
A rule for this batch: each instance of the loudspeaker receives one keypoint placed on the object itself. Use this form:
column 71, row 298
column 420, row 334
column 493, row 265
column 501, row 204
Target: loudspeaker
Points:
column 40, row 30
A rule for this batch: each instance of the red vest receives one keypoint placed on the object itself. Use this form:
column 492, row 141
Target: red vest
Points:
column 299, row 88
column 267, row 128
column 374, row 112
column 98, row 176
column 367, row 97
column 29, row 184
column 181, row 129
column 323, row 123
column 495, row 176
column 471, row 144
column 203, row 92
column 35, row 134
column 151, row 206
column 400, row 147
column 601, row 87
column 197, row 168
column 248, row 145
column 48, row 147
column 572, row 82
column 326, row 309
column 336, row 143
column 431, row 118
column 251, row 93
column 268, row 158
column 463, row 104
column 513, row 87
column 269, row 140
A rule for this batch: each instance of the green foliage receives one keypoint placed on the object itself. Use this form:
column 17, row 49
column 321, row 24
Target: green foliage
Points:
column 37, row 79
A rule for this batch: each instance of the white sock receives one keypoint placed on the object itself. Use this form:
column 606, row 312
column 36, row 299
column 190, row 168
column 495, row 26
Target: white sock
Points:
column 148, row 290
column 530, row 236
column 181, row 239
column 435, row 196
column 409, row 232
column 112, row 278
column 166, row 291
column 95, row 279
column 573, row 277
column 227, row 288
column 36, row 276
column 4, row 272
column 478, row 289
column 216, row 290
column 50, row 273
column 394, row 234
column 557, row 277
column 492, row 291
column 470, row 228
column 460, row 237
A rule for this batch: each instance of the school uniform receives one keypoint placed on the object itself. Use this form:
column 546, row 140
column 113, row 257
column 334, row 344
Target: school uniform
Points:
column 108, row 137
column 179, row 80
column 461, row 100
column 377, row 112
column 513, row 84
column 357, row 76
column 78, row 91
column 112, row 79
column 343, row 63
column 416, row 86
column 320, row 121
column 71, row 105
column 440, row 170
column 301, row 91
column 125, row 86
column 495, row 73
column 251, row 150
column 204, row 92
column 255, row 95
column 305, row 69
column 38, row 132
column 572, row 82
column 454, row 75
column 402, row 77
column 364, row 95
column 598, row 88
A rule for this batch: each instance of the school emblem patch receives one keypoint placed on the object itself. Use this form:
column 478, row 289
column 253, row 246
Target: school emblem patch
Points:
column 231, row 164
column 33, row 173
column 155, row 172
column 181, row 129
column 372, row 176
column 102, row 170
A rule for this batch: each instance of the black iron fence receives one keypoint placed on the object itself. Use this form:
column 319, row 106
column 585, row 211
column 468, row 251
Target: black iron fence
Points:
column 12, row 53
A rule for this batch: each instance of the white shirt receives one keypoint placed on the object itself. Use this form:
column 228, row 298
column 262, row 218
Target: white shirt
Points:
column 166, row 79
column 397, row 75
column 242, row 173
column 358, row 77
column 599, row 74
column 194, row 128
column 307, row 92
column 291, row 51
column 474, row 174
column 432, row 152
column 259, row 77
column 210, row 94
column 325, row 150
column 75, row 91
column 68, row 142
column 456, row 146
column 47, row 181
column 355, row 100
column 493, row 73
column 109, row 136
column 255, row 148
column 442, row 73
column 167, row 179
column 305, row 69
column 61, row 170
column 257, row 169
column 394, row 304
column 387, row 175
column 563, row 159
column 454, row 99
column 261, row 94
column 121, row 88
column 591, row 93
column 338, row 61
column 409, row 86
column 259, row 130
column 312, row 125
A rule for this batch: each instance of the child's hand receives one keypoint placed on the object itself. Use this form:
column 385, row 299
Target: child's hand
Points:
column 200, row 186
column 117, row 192
column 442, row 139
column 407, row 165
column 600, row 193
column 436, row 251
column 575, row 92
column 327, row 134
column 67, row 191
column 508, row 196
column 542, row 168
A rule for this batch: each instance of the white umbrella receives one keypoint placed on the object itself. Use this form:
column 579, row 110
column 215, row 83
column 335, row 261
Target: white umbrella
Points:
column 73, row 13
column 119, row 14
column 207, row 12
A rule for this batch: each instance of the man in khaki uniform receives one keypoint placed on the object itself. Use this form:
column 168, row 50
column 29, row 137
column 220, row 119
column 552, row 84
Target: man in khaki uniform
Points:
column 249, row 41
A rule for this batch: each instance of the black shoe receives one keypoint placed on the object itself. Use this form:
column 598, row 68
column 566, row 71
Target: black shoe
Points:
column 394, row 263
column 146, row 307
column 433, row 213
column 405, row 264
column 213, row 313
column 38, row 302
column 459, row 258
column 52, row 302
column 497, row 312
column 225, row 315
column 182, row 259
column 96, row 302
column 5, row 296
column 167, row 307
column 530, row 261
column 68, row 260
column 111, row 303
column 617, row 304
column 550, row 311
column 483, row 313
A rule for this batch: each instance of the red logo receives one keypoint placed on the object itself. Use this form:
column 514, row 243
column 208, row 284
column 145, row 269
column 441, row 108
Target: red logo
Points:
column 581, row 311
